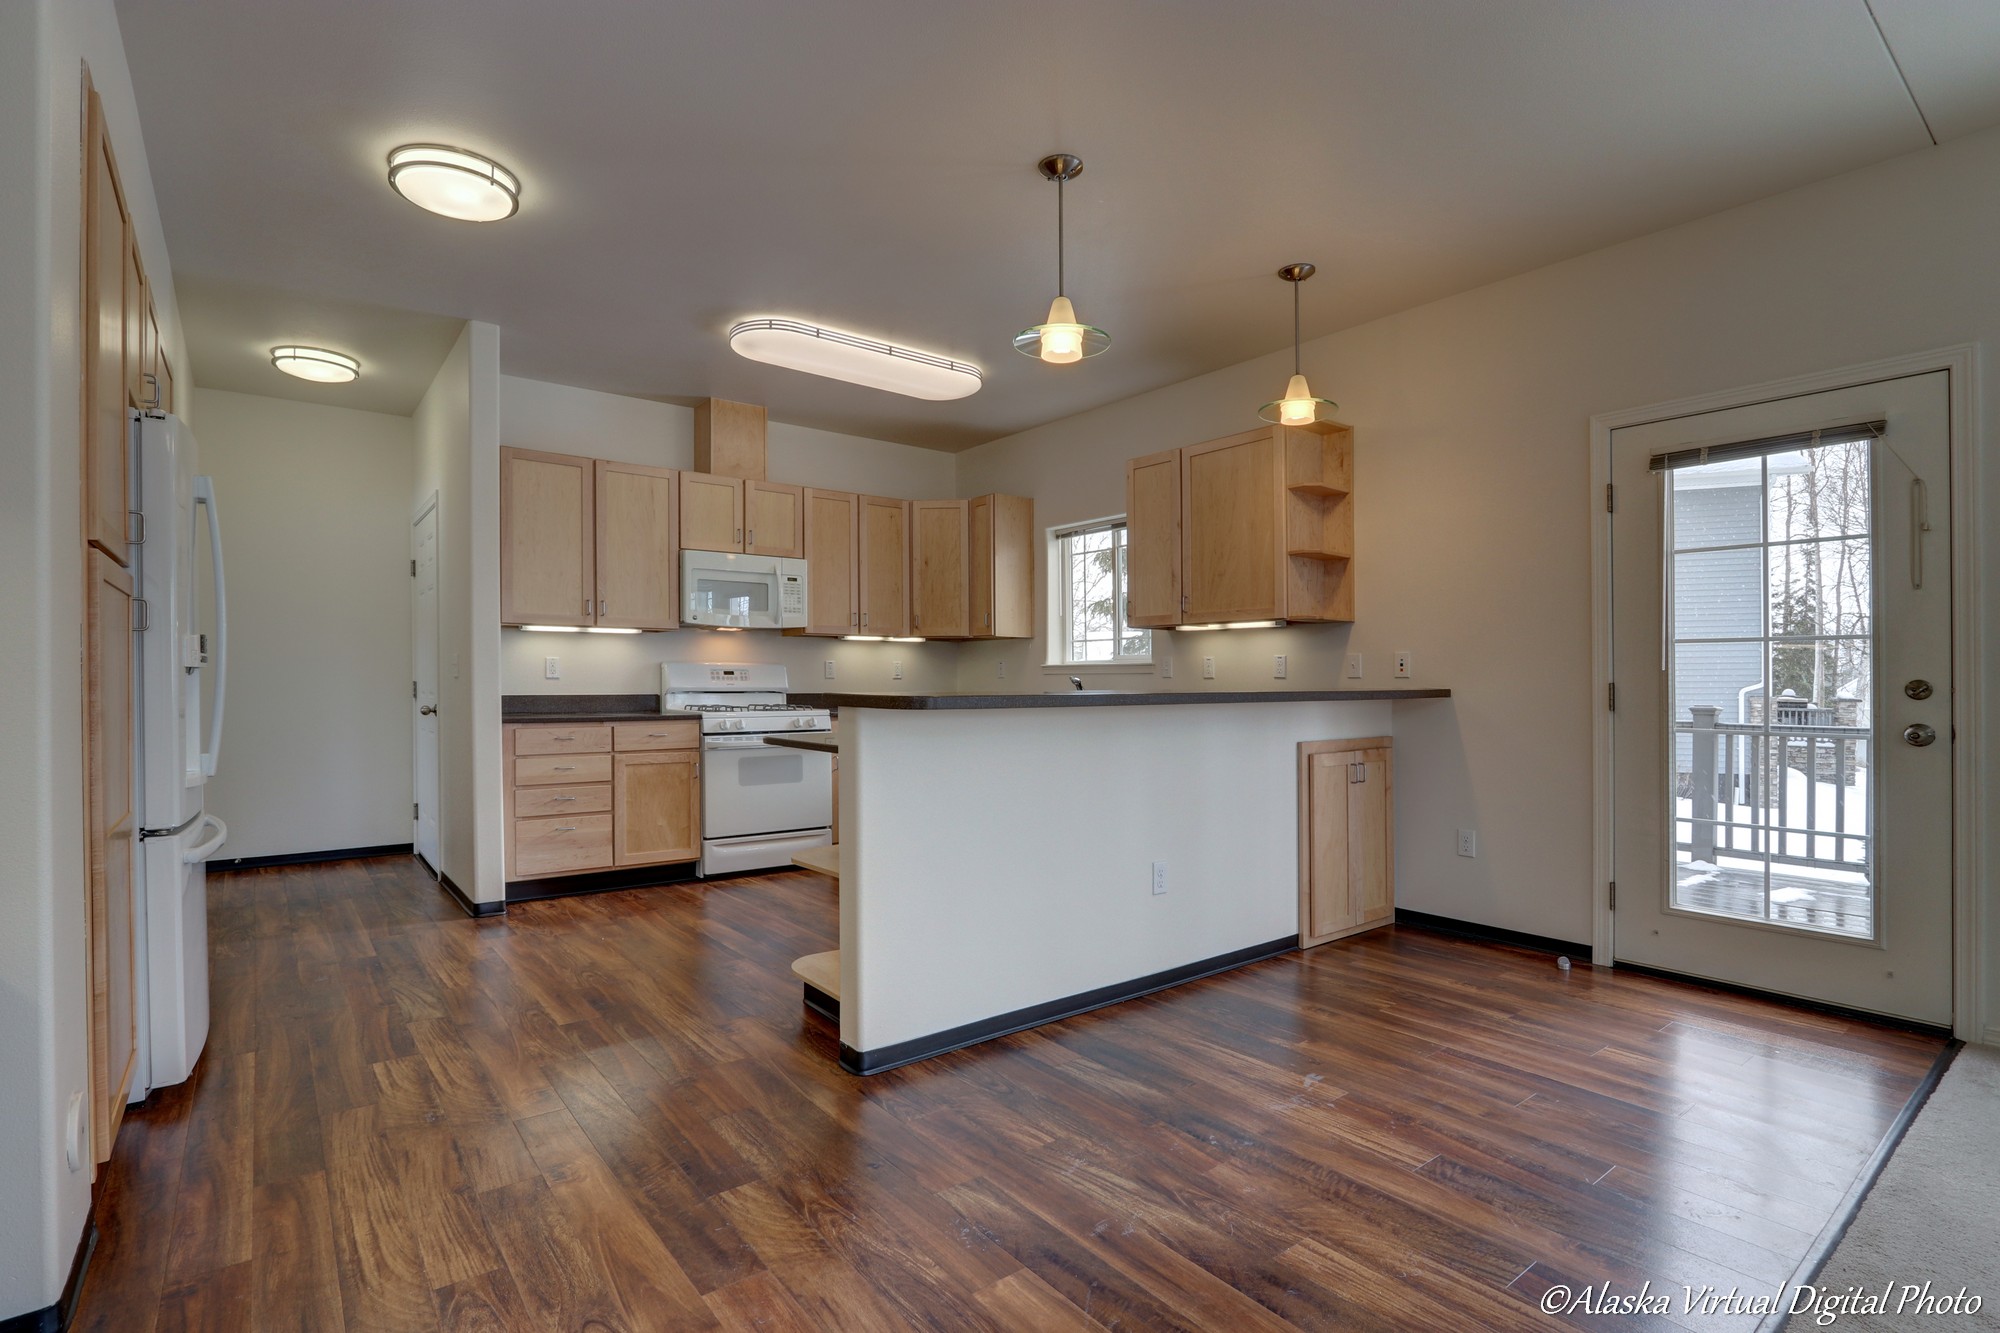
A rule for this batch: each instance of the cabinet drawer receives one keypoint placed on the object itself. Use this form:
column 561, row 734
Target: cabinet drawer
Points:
column 559, row 843
column 543, row 770
column 591, row 800
column 656, row 735
column 562, row 740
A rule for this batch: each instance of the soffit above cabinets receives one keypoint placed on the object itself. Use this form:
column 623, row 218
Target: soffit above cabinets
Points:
column 862, row 165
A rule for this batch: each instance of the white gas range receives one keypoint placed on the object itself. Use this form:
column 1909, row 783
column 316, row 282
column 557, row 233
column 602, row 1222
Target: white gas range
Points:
column 760, row 804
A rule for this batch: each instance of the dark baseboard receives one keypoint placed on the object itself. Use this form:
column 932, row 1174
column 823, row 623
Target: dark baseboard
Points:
column 55, row 1318
column 459, row 895
column 308, row 858
column 922, row 1048
column 603, row 881
column 1843, row 1217
column 1941, row 1032
column 1473, row 930
column 821, row 1003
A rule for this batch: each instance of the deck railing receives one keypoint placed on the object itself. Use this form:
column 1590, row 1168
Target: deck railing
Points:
column 1742, row 802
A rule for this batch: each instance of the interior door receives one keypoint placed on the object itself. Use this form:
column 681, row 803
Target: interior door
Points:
column 1782, row 772
column 424, row 670
column 638, row 575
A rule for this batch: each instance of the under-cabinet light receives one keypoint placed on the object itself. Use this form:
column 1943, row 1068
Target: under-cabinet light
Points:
column 555, row 629
column 906, row 638
column 864, row 638
column 797, row 345
column 609, row 629
column 1234, row 624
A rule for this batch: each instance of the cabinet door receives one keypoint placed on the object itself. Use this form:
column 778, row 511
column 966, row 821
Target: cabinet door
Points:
column 774, row 519
column 1232, row 543
column 637, row 559
column 105, row 440
column 656, row 807
column 885, row 565
column 1153, row 540
column 166, row 382
column 833, row 600
column 153, row 362
column 1001, row 572
column 1346, row 839
column 711, row 512
column 1371, row 842
column 137, row 392
column 547, row 553
column 940, row 595
column 109, row 834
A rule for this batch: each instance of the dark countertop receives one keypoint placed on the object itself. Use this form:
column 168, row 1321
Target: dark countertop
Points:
column 1104, row 698
column 819, row 744
column 578, row 709
column 588, row 719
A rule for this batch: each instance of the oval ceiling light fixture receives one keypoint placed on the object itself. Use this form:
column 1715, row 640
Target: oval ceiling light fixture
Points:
column 454, row 183
column 1298, row 408
column 797, row 345
column 316, row 364
column 1061, row 339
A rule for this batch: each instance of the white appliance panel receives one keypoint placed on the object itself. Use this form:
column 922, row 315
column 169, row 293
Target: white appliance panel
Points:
column 749, row 787
column 723, row 588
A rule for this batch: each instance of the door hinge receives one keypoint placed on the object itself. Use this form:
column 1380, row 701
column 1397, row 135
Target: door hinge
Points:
column 413, row 689
column 414, row 808
column 413, row 566
column 1614, row 895
column 1611, row 695
column 1609, row 506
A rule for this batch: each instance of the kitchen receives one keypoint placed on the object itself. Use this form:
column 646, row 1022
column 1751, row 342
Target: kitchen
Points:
column 1142, row 664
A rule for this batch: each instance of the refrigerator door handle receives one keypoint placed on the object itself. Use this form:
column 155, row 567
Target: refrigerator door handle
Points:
column 204, row 494
column 201, row 851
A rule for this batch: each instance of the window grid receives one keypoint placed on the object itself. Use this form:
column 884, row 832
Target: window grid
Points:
column 1090, row 563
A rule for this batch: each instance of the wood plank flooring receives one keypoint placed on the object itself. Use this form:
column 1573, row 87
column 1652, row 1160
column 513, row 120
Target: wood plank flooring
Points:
column 612, row 1113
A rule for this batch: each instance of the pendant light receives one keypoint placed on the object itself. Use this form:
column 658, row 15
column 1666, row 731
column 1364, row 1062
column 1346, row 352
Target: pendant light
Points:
column 1298, row 408
column 1061, row 339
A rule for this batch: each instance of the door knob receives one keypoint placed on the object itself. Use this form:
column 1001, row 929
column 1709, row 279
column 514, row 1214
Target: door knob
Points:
column 1918, row 689
column 428, row 709
column 1917, row 733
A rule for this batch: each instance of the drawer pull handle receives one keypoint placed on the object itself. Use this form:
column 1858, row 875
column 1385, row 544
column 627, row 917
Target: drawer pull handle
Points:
column 659, row 735
column 562, row 738
column 565, row 828
column 563, row 768
column 562, row 798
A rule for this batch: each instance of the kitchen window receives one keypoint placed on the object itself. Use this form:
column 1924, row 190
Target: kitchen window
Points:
column 1087, row 566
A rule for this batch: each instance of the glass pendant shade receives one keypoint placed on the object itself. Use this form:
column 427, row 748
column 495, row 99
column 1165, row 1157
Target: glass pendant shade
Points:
column 1298, row 407
column 1061, row 340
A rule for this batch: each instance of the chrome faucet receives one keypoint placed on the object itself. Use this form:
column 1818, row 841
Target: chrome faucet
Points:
column 1076, row 681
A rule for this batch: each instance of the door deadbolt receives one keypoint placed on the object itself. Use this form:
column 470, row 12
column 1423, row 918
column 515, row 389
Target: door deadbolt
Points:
column 428, row 709
column 1918, row 689
column 1918, row 733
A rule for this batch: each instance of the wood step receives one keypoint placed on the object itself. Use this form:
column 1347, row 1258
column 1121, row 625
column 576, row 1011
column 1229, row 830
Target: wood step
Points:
column 820, row 971
column 826, row 860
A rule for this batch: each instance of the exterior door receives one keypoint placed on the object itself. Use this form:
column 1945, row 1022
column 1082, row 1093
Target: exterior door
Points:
column 832, row 606
column 638, row 575
column 424, row 683
column 1782, row 772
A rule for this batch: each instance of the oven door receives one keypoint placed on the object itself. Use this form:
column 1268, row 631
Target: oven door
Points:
column 749, row 788
column 719, row 588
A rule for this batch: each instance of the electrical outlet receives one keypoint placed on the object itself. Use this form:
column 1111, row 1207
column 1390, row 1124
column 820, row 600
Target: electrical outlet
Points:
column 1167, row 669
column 1354, row 666
column 551, row 668
column 1403, row 665
column 896, row 669
column 826, row 668
column 1468, row 842
column 1001, row 669
column 1278, row 667
column 1208, row 668
column 1159, row 878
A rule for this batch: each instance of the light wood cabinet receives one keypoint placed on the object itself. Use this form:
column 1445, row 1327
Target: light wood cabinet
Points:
column 110, row 835
column 833, row 562
column 1256, row 526
column 774, row 519
column 729, row 439
column 656, row 807
column 940, row 585
column 548, row 555
column 107, row 240
column 584, row 797
column 1347, row 839
column 1001, row 566
column 587, row 542
column 637, row 563
column 884, row 560
column 711, row 512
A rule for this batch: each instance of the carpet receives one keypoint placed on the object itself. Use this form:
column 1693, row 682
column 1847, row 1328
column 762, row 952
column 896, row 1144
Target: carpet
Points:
column 1932, row 1217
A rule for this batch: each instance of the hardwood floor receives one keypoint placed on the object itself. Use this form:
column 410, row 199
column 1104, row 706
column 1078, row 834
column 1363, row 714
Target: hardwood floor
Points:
column 612, row 1113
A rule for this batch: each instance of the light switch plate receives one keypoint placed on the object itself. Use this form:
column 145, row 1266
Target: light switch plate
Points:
column 896, row 669
column 1001, row 668
column 1278, row 667
column 1354, row 666
column 826, row 667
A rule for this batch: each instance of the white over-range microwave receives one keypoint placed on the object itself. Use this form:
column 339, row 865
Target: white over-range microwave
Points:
column 732, row 591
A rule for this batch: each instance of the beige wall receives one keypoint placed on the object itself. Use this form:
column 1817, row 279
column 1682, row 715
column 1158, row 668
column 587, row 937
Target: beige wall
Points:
column 1473, row 497
column 317, row 752
column 561, row 419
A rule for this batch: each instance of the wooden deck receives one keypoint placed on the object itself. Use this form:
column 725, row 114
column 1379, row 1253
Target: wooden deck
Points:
column 1796, row 900
column 612, row 1113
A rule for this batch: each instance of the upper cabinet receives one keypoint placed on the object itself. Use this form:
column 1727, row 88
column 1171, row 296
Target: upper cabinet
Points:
column 110, row 261
column 883, row 566
column 586, row 542
column 833, row 562
column 1000, row 535
column 774, row 519
column 711, row 512
column 638, row 565
column 940, row 585
column 1257, row 526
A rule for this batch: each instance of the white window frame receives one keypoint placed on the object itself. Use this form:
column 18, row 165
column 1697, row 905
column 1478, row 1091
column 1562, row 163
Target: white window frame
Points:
column 1059, row 605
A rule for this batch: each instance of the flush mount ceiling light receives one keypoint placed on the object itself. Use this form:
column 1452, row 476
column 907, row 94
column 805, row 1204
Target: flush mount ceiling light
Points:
column 454, row 183
column 317, row 364
column 849, row 356
column 1061, row 340
column 1298, row 408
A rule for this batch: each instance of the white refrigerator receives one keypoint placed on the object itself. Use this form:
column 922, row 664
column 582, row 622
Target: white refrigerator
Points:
column 182, row 639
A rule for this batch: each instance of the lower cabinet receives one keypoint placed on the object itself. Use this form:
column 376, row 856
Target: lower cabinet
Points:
column 595, row 796
column 1347, row 873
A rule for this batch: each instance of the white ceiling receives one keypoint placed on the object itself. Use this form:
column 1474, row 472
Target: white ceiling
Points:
column 869, row 164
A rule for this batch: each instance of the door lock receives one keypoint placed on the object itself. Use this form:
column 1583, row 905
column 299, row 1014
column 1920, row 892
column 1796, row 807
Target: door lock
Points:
column 428, row 710
column 1919, row 734
column 1918, row 689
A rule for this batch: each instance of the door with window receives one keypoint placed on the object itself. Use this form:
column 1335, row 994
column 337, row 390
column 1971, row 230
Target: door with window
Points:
column 1782, row 772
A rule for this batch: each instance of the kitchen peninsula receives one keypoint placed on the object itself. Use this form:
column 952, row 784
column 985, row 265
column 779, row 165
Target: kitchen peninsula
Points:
column 1009, row 859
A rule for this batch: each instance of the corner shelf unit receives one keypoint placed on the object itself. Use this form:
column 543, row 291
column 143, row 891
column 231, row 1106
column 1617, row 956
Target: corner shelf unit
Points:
column 1319, row 519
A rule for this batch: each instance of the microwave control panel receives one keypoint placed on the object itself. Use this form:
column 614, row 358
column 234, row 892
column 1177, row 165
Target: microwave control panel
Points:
column 791, row 595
